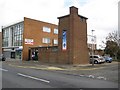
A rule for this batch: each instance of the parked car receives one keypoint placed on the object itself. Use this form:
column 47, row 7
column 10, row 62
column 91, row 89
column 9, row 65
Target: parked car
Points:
column 97, row 59
column 2, row 58
column 108, row 59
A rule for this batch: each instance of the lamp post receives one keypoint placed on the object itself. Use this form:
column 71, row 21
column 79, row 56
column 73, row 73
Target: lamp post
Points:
column 92, row 47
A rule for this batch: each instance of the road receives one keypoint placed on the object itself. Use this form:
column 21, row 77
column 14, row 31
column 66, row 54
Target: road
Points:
column 14, row 77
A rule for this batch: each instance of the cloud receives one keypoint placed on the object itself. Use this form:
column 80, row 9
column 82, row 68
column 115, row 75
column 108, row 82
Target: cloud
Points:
column 102, row 17
column 45, row 10
column 102, row 14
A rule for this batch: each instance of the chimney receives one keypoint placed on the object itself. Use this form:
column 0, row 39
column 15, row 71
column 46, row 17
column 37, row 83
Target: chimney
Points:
column 73, row 10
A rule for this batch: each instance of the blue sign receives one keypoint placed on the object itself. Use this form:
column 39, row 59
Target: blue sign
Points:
column 64, row 40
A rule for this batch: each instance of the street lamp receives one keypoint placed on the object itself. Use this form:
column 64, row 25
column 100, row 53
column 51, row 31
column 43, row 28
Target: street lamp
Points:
column 92, row 47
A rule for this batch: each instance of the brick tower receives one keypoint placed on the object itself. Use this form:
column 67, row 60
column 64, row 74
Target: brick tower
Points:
column 72, row 38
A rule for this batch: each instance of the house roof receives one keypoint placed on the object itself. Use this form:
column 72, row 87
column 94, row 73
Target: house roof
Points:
column 69, row 15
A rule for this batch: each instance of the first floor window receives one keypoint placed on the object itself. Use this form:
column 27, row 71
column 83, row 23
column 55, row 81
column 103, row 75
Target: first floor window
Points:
column 55, row 31
column 46, row 29
column 46, row 40
column 55, row 41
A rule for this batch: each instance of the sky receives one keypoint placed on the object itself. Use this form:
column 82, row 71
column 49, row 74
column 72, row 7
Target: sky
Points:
column 102, row 14
column 119, row 19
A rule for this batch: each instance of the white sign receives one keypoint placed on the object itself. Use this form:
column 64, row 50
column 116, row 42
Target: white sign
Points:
column 29, row 41
column 91, row 39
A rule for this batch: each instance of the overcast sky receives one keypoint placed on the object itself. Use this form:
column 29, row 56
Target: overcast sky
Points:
column 102, row 14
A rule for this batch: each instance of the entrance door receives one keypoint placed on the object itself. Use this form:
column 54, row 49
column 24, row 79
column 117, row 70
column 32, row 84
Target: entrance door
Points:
column 13, row 55
column 29, row 54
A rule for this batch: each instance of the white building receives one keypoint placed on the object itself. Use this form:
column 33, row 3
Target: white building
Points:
column 12, row 38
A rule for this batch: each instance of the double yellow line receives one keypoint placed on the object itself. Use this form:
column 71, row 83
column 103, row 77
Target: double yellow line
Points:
column 54, row 68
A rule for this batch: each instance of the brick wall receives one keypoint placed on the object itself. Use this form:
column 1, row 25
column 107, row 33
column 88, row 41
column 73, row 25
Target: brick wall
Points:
column 33, row 29
column 76, row 26
column 77, row 49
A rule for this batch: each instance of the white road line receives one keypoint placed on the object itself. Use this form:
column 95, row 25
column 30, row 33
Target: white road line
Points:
column 100, row 77
column 33, row 78
column 91, row 76
column 3, row 70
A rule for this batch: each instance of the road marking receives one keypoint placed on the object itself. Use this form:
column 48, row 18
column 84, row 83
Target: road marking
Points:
column 43, row 68
column 82, row 75
column 100, row 77
column 33, row 78
column 91, row 76
column 55, row 68
column 3, row 70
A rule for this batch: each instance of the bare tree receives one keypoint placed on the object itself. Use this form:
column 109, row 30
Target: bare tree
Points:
column 113, row 38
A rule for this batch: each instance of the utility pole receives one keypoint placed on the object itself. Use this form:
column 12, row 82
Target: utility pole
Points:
column 92, row 47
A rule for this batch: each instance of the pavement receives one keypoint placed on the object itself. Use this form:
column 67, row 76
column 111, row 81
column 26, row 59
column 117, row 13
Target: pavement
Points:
column 48, row 66
column 98, row 71
column 51, row 66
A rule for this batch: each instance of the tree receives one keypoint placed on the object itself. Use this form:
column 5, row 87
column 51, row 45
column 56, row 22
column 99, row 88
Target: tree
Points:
column 113, row 36
column 112, row 44
column 111, row 48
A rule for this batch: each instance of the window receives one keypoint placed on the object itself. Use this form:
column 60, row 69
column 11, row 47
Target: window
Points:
column 18, row 35
column 46, row 29
column 55, row 31
column 46, row 40
column 55, row 41
column 5, row 37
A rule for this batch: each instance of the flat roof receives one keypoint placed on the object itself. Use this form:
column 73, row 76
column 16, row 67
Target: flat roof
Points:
column 12, row 24
column 41, row 21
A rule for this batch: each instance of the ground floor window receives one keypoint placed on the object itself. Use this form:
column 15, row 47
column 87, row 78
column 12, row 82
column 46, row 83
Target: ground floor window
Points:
column 18, row 54
column 12, row 54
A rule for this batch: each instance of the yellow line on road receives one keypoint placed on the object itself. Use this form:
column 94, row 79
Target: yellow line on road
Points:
column 90, row 68
column 47, row 68
column 54, row 68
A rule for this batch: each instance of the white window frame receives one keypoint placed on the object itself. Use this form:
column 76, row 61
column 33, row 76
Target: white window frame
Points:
column 55, row 42
column 46, row 40
column 55, row 31
column 46, row 29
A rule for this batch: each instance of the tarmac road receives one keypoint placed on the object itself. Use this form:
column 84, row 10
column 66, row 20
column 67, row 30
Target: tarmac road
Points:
column 105, row 71
column 19, row 77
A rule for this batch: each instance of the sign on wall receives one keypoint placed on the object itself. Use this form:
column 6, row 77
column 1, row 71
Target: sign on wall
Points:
column 64, row 40
column 29, row 41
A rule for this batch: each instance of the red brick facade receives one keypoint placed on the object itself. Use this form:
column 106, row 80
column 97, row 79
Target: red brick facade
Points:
column 33, row 29
column 76, row 40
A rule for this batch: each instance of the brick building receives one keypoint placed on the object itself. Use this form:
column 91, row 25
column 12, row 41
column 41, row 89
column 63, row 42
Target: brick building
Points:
column 19, row 37
column 64, row 43
column 72, row 41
